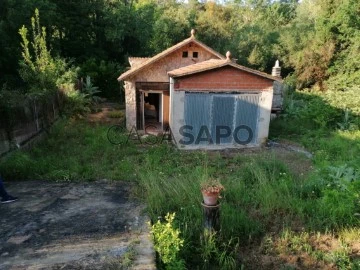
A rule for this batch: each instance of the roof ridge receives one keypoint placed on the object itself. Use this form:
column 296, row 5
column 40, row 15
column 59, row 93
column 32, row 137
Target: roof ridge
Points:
column 139, row 57
column 217, row 63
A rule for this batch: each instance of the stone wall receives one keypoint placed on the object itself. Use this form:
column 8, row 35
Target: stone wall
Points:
column 157, row 72
column 130, row 101
column 278, row 98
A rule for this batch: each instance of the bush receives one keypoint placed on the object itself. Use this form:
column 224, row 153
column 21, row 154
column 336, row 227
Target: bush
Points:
column 167, row 242
column 104, row 73
column 76, row 103
column 42, row 73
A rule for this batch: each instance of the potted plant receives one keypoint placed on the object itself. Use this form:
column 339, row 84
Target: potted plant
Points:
column 211, row 191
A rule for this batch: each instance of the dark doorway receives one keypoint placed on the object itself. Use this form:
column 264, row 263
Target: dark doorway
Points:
column 152, row 104
column 152, row 108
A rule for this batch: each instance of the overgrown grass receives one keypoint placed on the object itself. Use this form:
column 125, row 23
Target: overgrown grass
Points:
column 261, row 196
column 324, row 249
column 116, row 114
column 74, row 151
column 264, row 205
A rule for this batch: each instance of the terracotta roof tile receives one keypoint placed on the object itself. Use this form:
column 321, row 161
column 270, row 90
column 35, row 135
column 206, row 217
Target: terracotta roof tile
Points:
column 213, row 64
column 136, row 61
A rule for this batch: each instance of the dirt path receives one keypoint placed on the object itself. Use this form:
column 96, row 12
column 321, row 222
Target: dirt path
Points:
column 103, row 116
column 74, row 226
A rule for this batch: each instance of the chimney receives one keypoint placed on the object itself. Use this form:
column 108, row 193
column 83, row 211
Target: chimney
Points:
column 276, row 70
column 228, row 56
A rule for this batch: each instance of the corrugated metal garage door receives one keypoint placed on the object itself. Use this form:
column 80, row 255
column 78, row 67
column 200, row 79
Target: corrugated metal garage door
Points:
column 247, row 116
column 197, row 110
column 222, row 118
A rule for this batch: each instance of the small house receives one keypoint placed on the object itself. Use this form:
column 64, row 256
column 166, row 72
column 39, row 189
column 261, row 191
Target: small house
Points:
column 204, row 98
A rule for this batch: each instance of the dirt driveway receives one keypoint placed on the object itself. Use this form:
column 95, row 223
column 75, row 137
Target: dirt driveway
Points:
column 74, row 226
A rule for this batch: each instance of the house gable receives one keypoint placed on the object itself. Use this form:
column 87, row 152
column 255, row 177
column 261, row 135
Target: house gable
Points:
column 156, row 68
column 158, row 71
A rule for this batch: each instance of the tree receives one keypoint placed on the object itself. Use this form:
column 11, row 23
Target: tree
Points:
column 38, row 68
column 42, row 73
column 14, row 14
column 171, row 25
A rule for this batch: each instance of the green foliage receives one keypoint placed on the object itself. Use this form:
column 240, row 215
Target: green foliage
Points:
column 260, row 192
column 103, row 74
column 42, row 73
column 318, row 41
column 77, row 103
column 213, row 252
column 343, row 176
column 328, row 124
column 291, row 242
column 90, row 91
column 170, row 26
column 167, row 242
column 317, row 114
column 9, row 99
column 74, row 151
column 208, row 247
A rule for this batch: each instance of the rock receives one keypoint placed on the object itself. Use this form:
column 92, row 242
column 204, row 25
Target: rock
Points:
column 17, row 240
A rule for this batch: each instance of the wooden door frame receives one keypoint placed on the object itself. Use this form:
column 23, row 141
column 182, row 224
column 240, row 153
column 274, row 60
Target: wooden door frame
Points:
column 160, row 87
column 143, row 105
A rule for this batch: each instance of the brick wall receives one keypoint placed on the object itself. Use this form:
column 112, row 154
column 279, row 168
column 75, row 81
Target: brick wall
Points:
column 225, row 78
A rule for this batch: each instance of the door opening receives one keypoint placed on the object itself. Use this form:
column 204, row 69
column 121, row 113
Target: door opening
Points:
column 153, row 110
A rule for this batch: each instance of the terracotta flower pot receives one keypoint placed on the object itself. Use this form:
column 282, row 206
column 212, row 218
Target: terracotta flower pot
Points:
column 210, row 198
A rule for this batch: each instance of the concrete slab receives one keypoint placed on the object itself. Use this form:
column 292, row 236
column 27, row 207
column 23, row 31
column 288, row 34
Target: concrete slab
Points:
column 74, row 226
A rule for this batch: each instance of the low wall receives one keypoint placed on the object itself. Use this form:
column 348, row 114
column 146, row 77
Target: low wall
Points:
column 21, row 124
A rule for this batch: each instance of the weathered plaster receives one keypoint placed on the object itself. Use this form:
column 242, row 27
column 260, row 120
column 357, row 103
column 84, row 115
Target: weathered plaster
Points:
column 264, row 116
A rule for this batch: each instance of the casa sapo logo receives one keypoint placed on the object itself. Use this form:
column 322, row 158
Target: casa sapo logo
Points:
column 242, row 135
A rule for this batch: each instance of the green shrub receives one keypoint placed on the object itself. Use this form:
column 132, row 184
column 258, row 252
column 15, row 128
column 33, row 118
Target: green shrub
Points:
column 167, row 242
column 91, row 91
column 18, row 165
column 76, row 103
column 42, row 73
column 104, row 74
